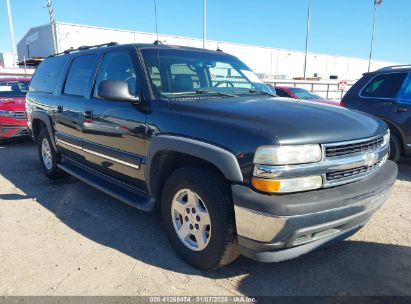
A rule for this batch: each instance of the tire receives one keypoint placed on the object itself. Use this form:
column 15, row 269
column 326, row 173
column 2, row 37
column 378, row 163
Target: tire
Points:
column 395, row 148
column 220, row 237
column 48, row 156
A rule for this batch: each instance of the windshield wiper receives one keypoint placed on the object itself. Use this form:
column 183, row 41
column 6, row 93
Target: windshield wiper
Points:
column 262, row 92
column 202, row 92
column 214, row 92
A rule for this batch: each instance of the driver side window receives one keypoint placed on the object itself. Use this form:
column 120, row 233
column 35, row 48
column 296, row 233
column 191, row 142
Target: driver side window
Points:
column 117, row 66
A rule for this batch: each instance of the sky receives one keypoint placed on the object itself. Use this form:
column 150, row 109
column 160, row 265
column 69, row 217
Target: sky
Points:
column 339, row 27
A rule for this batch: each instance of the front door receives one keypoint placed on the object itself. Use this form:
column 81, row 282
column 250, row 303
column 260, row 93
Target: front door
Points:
column 402, row 110
column 114, row 131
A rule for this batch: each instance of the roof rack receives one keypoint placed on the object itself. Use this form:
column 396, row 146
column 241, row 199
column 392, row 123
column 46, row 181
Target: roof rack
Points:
column 84, row 47
column 393, row 67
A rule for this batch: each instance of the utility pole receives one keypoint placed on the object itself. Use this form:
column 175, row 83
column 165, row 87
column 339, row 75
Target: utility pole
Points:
column 376, row 4
column 11, row 29
column 204, row 22
column 306, row 39
column 52, row 24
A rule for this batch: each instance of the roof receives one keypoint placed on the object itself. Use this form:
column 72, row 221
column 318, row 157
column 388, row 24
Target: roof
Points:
column 154, row 45
column 395, row 68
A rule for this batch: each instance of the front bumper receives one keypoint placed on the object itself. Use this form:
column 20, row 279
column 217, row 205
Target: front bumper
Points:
column 9, row 131
column 274, row 228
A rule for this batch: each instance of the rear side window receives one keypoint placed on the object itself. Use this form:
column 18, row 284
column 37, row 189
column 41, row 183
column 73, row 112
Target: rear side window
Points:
column 79, row 75
column 46, row 76
column 384, row 85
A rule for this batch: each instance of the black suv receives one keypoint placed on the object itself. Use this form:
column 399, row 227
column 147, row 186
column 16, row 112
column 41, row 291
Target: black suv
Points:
column 386, row 93
column 197, row 135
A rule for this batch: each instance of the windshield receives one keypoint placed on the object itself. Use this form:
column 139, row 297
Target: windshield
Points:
column 14, row 88
column 178, row 73
column 304, row 94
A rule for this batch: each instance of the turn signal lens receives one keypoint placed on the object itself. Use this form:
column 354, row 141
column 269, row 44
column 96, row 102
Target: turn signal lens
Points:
column 287, row 185
column 266, row 185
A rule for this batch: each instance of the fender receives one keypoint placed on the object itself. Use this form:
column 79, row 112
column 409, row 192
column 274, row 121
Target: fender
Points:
column 47, row 121
column 224, row 160
column 392, row 124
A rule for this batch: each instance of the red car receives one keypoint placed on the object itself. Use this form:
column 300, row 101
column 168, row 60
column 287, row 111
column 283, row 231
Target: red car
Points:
column 13, row 119
column 298, row 93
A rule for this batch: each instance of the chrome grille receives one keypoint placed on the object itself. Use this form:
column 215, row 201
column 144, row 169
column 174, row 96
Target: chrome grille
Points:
column 18, row 114
column 358, row 147
column 350, row 173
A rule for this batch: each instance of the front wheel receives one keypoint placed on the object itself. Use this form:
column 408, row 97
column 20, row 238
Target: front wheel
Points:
column 198, row 215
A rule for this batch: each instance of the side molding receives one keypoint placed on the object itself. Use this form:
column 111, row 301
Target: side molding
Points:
column 47, row 121
column 224, row 160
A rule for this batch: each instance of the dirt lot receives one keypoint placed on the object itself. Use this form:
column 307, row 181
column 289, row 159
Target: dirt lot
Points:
column 66, row 238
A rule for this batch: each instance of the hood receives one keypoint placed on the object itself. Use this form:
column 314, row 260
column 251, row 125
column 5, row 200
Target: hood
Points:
column 13, row 103
column 284, row 120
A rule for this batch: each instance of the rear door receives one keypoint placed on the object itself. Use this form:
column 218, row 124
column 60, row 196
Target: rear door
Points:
column 115, row 131
column 69, row 111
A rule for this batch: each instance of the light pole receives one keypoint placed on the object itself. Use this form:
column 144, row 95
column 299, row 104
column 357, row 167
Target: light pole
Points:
column 11, row 29
column 204, row 21
column 306, row 39
column 52, row 16
column 376, row 4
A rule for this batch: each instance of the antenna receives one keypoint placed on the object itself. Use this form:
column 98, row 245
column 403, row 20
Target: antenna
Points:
column 155, row 13
column 157, row 43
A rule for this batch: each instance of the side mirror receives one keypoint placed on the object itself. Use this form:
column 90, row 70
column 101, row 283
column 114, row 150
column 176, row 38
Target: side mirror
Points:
column 116, row 90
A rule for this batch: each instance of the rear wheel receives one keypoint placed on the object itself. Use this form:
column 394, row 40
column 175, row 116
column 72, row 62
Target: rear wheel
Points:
column 48, row 156
column 199, row 217
column 395, row 148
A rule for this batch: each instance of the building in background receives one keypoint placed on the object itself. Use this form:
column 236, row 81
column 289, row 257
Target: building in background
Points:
column 8, row 66
column 270, row 63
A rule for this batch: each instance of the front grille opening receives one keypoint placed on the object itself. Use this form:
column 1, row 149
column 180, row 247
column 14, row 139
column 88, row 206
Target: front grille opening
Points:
column 351, row 173
column 339, row 150
column 19, row 115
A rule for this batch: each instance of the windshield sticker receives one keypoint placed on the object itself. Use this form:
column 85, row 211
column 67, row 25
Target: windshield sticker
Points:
column 4, row 88
column 251, row 76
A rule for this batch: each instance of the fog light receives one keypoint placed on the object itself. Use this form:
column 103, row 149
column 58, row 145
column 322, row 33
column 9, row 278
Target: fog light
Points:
column 287, row 185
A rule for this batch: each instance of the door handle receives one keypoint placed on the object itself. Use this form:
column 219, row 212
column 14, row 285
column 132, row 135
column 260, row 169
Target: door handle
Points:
column 400, row 109
column 59, row 109
column 88, row 114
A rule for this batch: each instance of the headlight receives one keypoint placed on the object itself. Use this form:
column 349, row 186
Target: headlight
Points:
column 287, row 155
column 386, row 140
column 287, row 185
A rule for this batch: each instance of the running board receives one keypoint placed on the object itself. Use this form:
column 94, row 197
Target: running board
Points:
column 139, row 200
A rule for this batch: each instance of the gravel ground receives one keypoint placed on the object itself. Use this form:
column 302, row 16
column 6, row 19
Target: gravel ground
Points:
column 66, row 238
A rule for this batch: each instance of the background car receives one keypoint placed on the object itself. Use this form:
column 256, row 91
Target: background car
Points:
column 13, row 120
column 299, row 93
column 386, row 93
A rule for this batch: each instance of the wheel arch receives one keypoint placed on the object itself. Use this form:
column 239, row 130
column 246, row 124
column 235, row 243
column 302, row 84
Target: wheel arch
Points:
column 40, row 120
column 396, row 130
column 167, row 152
